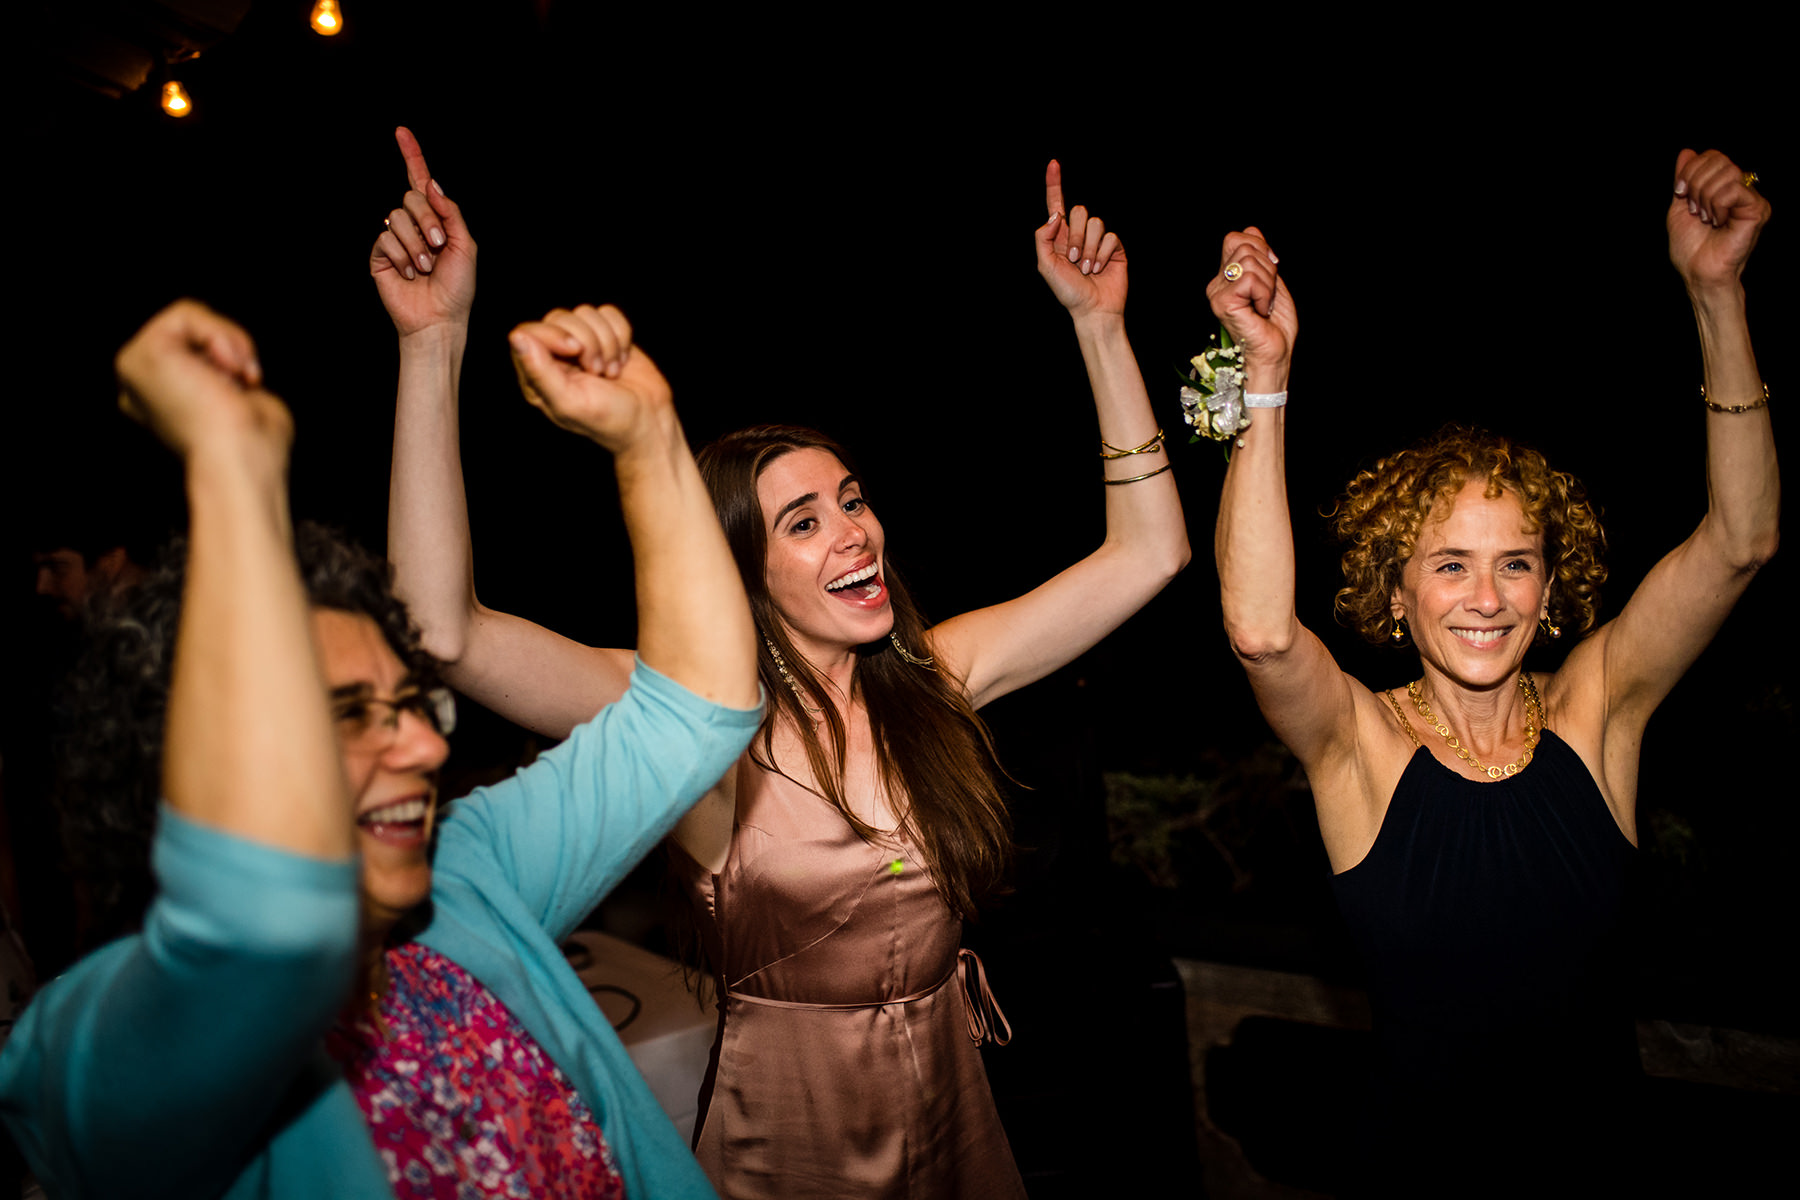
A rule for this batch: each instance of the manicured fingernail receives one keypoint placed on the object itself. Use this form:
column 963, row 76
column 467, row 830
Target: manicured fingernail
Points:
column 1681, row 187
column 409, row 272
column 1074, row 254
column 438, row 189
column 424, row 262
column 1087, row 266
column 1692, row 207
column 1274, row 257
column 437, row 236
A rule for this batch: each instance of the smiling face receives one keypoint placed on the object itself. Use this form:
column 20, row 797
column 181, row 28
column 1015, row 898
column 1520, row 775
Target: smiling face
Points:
column 823, row 566
column 1475, row 588
column 393, row 779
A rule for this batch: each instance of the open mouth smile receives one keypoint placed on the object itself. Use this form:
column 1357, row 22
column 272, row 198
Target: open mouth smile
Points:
column 402, row 823
column 860, row 586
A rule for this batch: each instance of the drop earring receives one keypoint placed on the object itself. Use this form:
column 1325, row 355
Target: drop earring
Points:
column 909, row 656
column 781, row 668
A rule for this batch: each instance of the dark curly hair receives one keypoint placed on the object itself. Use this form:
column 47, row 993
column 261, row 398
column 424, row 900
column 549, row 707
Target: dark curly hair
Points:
column 930, row 745
column 112, row 707
column 1383, row 509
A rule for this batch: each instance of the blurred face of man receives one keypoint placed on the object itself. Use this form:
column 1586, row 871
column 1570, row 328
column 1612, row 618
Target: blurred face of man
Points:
column 62, row 574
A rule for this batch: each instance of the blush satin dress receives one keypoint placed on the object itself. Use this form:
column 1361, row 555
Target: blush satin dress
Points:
column 848, row 1060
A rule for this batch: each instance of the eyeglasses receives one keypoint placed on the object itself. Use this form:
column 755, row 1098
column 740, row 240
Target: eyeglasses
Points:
column 370, row 724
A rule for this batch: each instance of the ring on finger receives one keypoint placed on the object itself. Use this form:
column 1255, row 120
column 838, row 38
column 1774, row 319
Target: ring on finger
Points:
column 386, row 223
column 1233, row 272
column 1750, row 178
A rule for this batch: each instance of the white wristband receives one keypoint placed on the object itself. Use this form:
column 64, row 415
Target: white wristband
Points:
column 1265, row 399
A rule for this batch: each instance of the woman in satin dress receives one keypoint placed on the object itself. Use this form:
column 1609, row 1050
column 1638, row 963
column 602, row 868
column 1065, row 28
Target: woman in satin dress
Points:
column 832, row 867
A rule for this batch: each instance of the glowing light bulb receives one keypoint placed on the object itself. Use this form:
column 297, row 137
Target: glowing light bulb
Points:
column 175, row 100
column 326, row 18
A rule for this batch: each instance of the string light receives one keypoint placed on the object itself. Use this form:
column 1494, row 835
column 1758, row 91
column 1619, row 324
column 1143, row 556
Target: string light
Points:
column 327, row 19
column 175, row 100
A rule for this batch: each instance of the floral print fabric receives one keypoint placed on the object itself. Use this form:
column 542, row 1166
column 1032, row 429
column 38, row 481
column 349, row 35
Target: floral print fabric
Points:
column 462, row 1103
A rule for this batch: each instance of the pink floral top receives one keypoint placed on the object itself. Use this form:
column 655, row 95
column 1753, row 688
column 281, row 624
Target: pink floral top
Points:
column 461, row 1101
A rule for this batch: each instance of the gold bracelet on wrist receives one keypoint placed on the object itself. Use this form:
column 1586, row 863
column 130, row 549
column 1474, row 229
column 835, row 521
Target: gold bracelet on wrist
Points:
column 1135, row 478
column 1735, row 408
column 1108, row 450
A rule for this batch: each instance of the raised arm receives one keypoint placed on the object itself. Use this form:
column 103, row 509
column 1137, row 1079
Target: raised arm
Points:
column 248, row 746
column 582, row 370
column 423, row 265
column 1306, row 698
column 175, row 1046
column 1623, row 672
column 999, row 649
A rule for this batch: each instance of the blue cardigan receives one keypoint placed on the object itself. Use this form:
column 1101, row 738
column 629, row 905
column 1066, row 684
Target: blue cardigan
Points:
column 186, row 1060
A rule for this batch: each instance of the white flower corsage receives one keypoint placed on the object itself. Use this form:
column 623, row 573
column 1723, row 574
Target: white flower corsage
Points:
column 1212, row 392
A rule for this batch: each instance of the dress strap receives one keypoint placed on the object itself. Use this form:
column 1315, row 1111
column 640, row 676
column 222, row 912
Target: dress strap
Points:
column 986, row 1022
column 1401, row 713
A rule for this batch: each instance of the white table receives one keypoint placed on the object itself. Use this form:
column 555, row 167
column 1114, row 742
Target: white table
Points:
column 671, row 1037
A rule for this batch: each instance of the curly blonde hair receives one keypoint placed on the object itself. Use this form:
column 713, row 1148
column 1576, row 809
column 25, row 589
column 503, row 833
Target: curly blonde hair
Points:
column 1381, row 512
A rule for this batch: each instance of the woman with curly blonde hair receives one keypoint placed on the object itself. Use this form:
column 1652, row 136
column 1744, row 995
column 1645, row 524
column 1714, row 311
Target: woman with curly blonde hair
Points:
column 1481, row 820
column 1385, row 507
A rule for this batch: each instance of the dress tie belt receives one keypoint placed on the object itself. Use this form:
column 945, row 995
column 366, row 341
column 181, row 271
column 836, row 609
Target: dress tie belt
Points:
column 986, row 1022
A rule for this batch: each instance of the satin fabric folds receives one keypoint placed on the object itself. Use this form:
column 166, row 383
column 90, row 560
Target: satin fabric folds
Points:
column 847, row 1062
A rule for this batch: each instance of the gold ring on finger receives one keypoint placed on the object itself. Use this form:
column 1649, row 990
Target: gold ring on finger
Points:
column 1750, row 178
column 1233, row 272
column 386, row 223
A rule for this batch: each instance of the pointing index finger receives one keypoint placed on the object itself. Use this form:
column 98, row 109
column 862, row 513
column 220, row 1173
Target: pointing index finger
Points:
column 418, row 175
column 1053, row 196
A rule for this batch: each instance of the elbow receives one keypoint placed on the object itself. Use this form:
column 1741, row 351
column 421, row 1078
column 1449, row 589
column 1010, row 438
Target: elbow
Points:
column 444, row 643
column 1182, row 555
column 1143, row 566
column 1761, row 550
column 1160, row 561
column 1172, row 561
column 447, row 638
column 1255, row 643
column 1749, row 553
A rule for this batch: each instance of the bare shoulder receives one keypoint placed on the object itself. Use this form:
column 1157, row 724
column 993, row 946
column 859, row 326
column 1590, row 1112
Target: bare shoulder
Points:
column 1608, row 743
column 1352, row 787
column 1574, row 701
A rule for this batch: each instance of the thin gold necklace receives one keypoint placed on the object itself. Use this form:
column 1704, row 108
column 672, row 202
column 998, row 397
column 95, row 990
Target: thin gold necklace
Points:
column 1534, row 717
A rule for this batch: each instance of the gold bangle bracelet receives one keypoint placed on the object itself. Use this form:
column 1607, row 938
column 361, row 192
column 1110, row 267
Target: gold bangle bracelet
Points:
column 1149, row 447
column 1135, row 478
column 1735, row 408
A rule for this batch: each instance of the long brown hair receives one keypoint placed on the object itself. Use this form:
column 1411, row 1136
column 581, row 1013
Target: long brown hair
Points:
column 933, row 752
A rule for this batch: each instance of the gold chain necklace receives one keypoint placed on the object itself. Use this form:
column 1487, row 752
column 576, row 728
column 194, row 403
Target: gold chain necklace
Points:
column 1534, row 717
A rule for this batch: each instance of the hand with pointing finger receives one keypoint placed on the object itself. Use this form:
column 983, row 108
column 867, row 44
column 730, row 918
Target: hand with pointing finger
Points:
column 1081, row 260
column 424, row 261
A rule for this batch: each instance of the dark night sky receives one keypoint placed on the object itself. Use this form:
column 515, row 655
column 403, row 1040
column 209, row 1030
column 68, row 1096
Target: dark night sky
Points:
column 845, row 242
